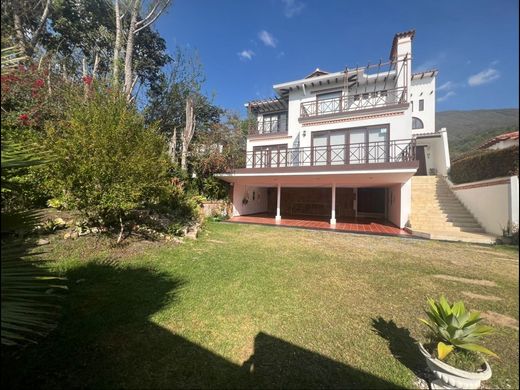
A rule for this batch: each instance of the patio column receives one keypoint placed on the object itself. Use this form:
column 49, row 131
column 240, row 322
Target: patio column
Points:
column 333, row 212
column 278, row 196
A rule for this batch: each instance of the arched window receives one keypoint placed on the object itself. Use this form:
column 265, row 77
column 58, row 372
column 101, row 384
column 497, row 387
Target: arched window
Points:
column 417, row 123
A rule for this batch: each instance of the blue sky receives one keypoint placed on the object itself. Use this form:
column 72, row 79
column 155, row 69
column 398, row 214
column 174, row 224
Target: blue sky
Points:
column 246, row 46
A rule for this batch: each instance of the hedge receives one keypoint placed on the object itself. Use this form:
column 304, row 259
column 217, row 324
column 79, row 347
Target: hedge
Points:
column 485, row 165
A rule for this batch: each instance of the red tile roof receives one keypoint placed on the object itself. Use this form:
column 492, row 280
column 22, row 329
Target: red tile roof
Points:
column 502, row 137
column 404, row 34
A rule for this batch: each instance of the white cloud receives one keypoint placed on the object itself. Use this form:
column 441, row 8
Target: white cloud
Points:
column 484, row 77
column 267, row 38
column 446, row 86
column 446, row 96
column 495, row 62
column 246, row 54
column 292, row 7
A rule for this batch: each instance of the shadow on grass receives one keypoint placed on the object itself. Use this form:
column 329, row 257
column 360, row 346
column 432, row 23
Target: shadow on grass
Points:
column 108, row 339
column 403, row 346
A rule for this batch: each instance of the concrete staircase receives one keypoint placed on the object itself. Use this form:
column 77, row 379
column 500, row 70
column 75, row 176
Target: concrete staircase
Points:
column 438, row 214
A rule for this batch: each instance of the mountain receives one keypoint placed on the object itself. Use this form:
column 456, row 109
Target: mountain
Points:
column 469, row 129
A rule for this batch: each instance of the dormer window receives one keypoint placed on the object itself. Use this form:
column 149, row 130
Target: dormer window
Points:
column 417, row 123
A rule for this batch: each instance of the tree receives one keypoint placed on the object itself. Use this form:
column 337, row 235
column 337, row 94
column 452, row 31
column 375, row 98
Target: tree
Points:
column 27, row 22
column 86, row 38
column 219, row 149
column 189, row 130
column 136, row 24
column 168, row 97
column 108, row 163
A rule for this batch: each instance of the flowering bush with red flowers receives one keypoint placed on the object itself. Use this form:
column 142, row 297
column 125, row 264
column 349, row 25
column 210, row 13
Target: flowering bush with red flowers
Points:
column 87, row 79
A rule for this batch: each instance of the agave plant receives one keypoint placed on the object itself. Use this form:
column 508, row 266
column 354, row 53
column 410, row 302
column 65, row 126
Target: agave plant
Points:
column 28, row 291
column 455, row 327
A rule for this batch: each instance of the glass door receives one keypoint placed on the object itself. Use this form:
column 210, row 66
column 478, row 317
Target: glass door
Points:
column 337, row 148
column 357, row 146
column 319, row 150
column 377, row 145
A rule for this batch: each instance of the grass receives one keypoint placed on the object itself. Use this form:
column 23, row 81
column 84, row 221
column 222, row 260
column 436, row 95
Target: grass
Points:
column 260, row 307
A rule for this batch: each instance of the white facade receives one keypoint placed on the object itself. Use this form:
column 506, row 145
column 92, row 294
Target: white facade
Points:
column 362, row 119
column 500, row 208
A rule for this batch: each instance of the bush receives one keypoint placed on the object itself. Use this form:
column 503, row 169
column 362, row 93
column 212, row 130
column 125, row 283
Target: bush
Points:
column 485, row 165
column 107, row 162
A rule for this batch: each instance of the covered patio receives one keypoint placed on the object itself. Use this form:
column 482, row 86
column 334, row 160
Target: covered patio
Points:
column 352, row 224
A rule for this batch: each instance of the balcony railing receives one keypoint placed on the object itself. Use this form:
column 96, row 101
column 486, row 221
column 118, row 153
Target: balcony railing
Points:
column 361, row 153
column 268, row 127
column 360, row 101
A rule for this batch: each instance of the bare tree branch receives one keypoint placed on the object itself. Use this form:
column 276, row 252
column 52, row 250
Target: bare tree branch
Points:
column 41, row 25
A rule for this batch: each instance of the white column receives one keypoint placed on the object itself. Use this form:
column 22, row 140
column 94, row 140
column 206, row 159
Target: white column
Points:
column 333, row 211
column 355, row 202
column 278, row 196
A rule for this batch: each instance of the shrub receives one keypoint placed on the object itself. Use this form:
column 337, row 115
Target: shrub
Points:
column 107, row 162
column 485, row 165
column 455, row 328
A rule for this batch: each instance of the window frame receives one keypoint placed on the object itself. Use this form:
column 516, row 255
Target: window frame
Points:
column 415, row 120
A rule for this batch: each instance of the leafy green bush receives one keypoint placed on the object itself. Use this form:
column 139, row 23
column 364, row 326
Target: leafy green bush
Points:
column 107, row 162
column 455, row 328
column 487, row 164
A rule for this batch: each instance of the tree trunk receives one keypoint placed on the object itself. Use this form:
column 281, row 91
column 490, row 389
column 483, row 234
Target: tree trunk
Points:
column 117, row 45
column 120, row 237
column 96, row 64
column 129, row 53
column 20, row 37
column 41, row 26
column 172, row 147
column 85, row 74
column 189, row 130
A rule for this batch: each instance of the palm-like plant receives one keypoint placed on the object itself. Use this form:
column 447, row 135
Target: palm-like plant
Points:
column 28, row 291
column 455, row 327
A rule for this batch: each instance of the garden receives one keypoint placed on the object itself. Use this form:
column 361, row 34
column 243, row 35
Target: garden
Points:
column 112, row 276
column 240, row 307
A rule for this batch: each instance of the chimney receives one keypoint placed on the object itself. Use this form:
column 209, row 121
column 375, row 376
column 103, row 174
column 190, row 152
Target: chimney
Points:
column 401, row 55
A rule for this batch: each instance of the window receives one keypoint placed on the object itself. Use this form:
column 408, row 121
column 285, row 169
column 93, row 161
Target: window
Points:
column 270, row 156
column 421, row 105
column 417, row 123
column 328, row 102
column 411, row 103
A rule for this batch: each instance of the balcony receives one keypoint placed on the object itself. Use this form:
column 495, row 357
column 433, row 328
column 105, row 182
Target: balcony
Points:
column 352, row 103
column 273, row 126
column 396, row 151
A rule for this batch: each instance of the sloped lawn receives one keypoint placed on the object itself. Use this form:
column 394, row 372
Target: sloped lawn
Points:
column 262, row 307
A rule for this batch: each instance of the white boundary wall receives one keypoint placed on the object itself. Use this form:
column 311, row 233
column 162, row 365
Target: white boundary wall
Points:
column 494, row 202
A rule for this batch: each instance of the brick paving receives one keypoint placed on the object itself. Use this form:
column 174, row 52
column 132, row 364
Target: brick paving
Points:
column 356, row 225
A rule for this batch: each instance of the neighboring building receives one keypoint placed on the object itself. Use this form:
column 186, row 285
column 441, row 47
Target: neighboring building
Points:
column 501, row 141
column 343, row 144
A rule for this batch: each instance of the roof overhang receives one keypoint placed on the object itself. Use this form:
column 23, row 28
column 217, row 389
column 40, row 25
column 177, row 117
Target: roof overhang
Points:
column 425, row 74
column 355, row 175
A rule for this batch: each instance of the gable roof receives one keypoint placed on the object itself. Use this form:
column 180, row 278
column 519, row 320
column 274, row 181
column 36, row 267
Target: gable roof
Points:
column 316, row 73
column 502, row 137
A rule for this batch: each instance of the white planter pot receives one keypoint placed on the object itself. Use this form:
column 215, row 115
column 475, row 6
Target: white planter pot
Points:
column 449, row 377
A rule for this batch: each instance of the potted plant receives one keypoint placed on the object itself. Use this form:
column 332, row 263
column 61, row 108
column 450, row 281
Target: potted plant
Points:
column 453, row 352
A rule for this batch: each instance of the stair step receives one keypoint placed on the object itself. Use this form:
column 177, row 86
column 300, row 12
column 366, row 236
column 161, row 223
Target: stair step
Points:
column 438, row 213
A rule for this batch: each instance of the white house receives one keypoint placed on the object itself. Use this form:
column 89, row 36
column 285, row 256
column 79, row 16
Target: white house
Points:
column 345, row 145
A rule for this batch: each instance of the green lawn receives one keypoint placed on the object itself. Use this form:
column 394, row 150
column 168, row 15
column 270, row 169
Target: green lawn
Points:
column 256, row 306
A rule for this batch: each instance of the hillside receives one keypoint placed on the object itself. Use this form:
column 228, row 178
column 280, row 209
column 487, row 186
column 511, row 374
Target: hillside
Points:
column 468, row 129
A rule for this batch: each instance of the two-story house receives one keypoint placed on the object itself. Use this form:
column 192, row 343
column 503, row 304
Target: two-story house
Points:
column 343, row 145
